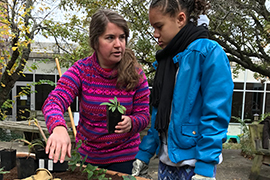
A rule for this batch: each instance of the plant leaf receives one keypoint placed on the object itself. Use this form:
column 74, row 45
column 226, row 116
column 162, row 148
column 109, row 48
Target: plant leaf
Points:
column 115, row 99
column 120, row 110
column 105, row 103
column 111, row 101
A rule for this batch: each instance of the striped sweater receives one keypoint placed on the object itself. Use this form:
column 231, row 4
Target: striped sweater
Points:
column 93, row 85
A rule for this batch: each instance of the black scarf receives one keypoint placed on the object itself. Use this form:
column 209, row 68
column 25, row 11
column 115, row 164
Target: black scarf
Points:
column 166, row 71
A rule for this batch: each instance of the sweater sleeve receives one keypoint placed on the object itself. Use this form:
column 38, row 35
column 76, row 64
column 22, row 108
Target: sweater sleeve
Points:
column 140, row 116
column 61, row 97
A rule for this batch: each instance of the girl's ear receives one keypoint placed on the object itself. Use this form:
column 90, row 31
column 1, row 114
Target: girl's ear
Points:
column 181, row 19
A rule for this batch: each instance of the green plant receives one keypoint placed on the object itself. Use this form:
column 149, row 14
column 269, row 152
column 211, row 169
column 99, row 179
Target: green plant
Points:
column 36, row 123
column 2, row 171
column 35, row 142
column 129, row 177
column 76, row 158
column 93, row 171
column 115, row 104
column 8, row 137
column 246, row 146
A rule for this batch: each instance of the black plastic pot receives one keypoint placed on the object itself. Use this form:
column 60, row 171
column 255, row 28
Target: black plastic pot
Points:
column 51, row 166
column 26, row 166
column 40, row 154
column 43, row 161
column 1, row 176
column 8, row 159
column 112, row 119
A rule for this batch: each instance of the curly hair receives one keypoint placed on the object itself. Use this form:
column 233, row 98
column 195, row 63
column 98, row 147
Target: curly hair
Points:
column 127, row 68
column 192, row 8
column 128, row 71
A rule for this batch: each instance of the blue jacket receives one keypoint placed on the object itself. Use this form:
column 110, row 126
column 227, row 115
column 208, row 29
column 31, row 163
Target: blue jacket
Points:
column 201, row 108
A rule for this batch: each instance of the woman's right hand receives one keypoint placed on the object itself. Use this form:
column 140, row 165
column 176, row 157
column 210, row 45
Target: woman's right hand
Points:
column 59, row 143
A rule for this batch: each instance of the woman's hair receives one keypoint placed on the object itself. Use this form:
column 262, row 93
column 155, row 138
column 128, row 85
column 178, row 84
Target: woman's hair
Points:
column 192, row 8
column 128, row 71
column 128, row 67
column 99, row 22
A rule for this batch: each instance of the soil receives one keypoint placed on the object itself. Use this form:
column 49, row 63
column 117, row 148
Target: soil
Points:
column 67, row 175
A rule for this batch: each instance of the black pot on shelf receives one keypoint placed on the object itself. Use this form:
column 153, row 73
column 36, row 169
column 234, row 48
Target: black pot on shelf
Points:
column 26, row 166
column 8, row 159
column 112, row 119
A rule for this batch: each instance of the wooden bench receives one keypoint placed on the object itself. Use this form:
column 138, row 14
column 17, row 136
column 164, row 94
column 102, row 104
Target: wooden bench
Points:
column 261, row 155
column 23, row 126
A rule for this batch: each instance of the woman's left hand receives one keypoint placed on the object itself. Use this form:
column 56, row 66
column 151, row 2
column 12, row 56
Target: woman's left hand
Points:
column 124, row 126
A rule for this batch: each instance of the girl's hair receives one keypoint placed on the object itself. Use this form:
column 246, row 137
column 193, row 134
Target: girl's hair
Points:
column 128, row 71
column 192, row 8
column 128, row 67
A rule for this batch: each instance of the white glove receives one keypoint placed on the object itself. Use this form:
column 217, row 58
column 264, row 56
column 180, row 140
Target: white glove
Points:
column 199, row 177
column 140, row 168
column 203, row 19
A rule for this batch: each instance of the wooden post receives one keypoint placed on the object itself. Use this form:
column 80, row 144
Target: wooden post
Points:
column 69, row 109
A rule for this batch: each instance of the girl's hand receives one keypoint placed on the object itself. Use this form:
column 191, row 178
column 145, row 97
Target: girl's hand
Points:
column 124, row 126
column 59, row 143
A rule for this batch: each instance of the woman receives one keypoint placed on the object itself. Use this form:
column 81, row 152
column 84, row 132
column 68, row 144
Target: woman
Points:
column 192, row 95
column 111, row 71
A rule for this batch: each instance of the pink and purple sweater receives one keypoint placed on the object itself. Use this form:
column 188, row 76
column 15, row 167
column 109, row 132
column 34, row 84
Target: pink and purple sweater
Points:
column 93, row 85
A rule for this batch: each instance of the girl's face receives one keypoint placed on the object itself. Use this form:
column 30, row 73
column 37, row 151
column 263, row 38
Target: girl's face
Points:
column 166, row 27
column 111, row 47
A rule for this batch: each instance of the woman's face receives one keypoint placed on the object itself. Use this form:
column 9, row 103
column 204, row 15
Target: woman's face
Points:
column 112, row 44
column 166, row 27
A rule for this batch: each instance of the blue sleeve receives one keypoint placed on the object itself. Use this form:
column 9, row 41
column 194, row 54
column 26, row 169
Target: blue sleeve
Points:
column 217, row 89
column 150, row 143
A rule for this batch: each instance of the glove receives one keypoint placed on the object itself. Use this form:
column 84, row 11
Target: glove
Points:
column 199, row 177
column 140, row 168
column 41, row 174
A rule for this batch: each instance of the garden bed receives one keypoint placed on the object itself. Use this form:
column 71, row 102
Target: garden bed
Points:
column 68, row 175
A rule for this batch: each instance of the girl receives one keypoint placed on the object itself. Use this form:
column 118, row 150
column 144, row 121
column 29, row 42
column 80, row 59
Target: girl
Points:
column 192, row 95
column 111, row 71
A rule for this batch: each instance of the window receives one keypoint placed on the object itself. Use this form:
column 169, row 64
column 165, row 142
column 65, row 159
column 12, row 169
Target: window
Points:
column 43, row 90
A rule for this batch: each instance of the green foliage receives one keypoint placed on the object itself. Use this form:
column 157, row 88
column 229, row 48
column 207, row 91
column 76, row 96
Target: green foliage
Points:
column 243, row 32
column 263, row 116
column 129, row 177
column 32, row 144
column 230, row 145
column 246, row 146
column 76, row 158
column 9, row 137
column 114, row 104
column 245, row 142
column 8, row 104
column 244, row 125
column 2, row 171
column 92, row 171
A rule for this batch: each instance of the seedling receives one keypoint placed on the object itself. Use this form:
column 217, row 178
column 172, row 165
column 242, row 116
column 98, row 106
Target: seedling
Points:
column 115, row 104
column 2, row 171
column 93, row 171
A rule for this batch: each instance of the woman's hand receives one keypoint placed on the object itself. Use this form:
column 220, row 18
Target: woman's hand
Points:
column 124, row 126
column 59, row 143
